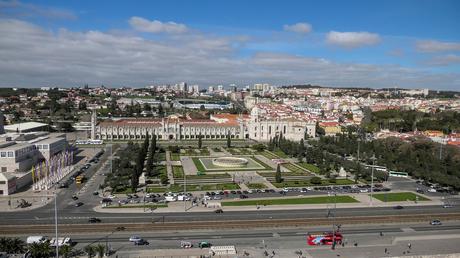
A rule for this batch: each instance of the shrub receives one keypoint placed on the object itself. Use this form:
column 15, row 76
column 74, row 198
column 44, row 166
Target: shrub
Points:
column 315, row 180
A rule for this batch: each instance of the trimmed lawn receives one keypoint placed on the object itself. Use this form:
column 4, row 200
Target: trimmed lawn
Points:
column 310, row 167
column 157, row 189
column 268, row 155
column 283, row 174
column 280, row 154
column 178, row 171
column 160, row 156
column 308, row 200
column 148, row 206
column 253, row 164
column 256, row 186
column 212, row 176
column 295, row 170
column 301, row 183
column 175, row 156
column 399, row 197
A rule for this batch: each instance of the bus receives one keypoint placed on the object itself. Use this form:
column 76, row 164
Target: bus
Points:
column 326, row 238
column 377, row 168
column 398, row 174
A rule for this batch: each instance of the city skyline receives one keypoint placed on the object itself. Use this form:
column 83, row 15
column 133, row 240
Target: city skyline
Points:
column 409, row 44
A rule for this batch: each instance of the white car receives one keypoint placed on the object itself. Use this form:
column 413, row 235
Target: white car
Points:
column 432, row 190
column 134, row 238
column 250, row 191
column 111, row 196
column 364, row 190
column 217, row 198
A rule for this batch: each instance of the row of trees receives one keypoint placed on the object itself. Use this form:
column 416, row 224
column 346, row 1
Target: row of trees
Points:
column 40, row 250
column 291, row 148
column 406, row 121
column 420, row 157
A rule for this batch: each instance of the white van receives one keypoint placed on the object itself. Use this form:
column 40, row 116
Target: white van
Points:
column 170, row 198
column 36, row 239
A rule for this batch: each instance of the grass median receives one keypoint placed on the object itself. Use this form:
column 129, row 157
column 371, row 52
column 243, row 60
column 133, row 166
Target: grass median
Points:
column 291, row 201
column 399, row 197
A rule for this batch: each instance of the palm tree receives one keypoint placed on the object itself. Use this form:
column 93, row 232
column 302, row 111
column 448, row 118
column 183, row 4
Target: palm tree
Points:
column 65, row 251
column 39, row 250
column 17, row 246
column 11, row 245
column 100, row 250
column 89, row 250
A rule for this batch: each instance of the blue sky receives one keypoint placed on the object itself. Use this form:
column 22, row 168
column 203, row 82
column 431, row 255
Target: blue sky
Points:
column 411, row 44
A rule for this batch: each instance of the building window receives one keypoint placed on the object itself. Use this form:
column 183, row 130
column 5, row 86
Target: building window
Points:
column 45, row 147
column 4, row 169
column 2, row 182
column 3, row 154
column 270, row 129
column 284, row 130
column 10, row 154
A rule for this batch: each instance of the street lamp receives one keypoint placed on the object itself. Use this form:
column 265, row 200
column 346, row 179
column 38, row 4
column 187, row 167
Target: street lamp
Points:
column 56, row 223
column 372, row 178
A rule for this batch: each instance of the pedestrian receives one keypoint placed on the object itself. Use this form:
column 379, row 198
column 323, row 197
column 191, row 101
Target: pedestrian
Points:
column 343, row 244
column 356, row 244
column 381, row 233
column 273, row 252
column 386, row 250
column 409, row 245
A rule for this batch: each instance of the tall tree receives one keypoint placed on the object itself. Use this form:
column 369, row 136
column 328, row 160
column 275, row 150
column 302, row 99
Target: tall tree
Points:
column 40, row 250
column 278, row 177
column 89, row 250
column 229, row 140
column 200, row 142
column 100, row 250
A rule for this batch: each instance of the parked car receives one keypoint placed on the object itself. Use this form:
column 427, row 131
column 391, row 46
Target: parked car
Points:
column 74, row 197
column 398, row 207
column 78, row 204
column 186, row 244
column 243, row 196
column 204, row 244
column 435, row 222
column 447, row 206
column 219, row 211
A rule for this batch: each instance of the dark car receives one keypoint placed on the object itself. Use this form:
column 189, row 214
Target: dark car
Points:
column 398, row 207
column 94, row 220
column 95, row 193
column 141, row 242
column 242, row 196
column 78, row 204
column 74, row 197
column 219, row 211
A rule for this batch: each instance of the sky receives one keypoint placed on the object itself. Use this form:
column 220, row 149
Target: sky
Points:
column 393, row 43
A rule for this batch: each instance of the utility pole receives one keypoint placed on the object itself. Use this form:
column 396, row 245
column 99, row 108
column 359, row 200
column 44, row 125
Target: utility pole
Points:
column 358, row 149
column 56, row 223
column 185, row 192
column 333, row 221
column 372, row 178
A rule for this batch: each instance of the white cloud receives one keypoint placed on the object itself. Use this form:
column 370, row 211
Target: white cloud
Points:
column 31, row 56
column 155, row 26
column 444, row 60
column 352, row 39
column 15, row 9
column 301, row 27
column 430, row 46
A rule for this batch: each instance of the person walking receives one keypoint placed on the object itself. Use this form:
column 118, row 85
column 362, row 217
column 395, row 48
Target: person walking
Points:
column 409, row 245
column 386, row 250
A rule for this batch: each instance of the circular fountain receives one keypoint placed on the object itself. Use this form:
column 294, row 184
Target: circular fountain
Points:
column 230, row 162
